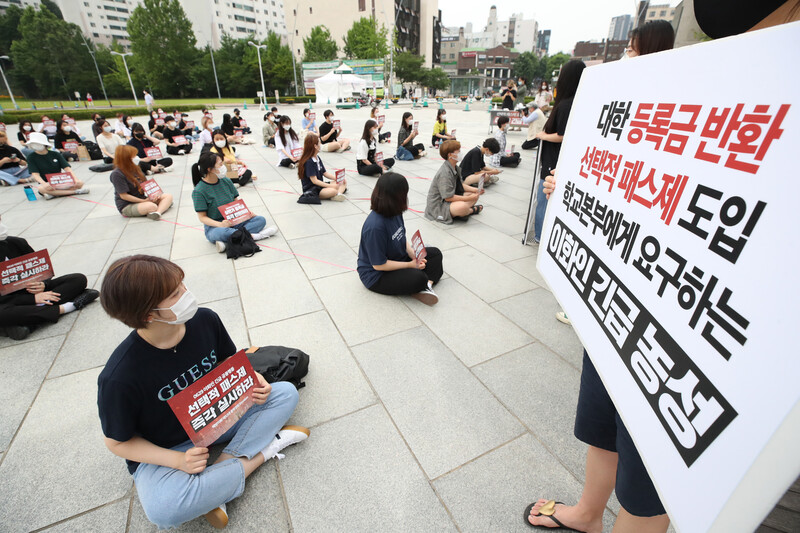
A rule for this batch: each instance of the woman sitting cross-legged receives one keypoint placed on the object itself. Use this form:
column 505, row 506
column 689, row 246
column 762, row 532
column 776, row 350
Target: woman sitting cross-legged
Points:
column 386, row 260
column 174, row 343
column 108, row 142
column 286, row 141
column 406, row 149
column 365, row 154
column 311, row 172
column 129, row 196
column 141, row 141
column 212, row 190
column 222, row 148
column 13, row 166
column 448, row 197
column 64, row 134
column 174, row 146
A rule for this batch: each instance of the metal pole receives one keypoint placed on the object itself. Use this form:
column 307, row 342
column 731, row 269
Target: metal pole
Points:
column 219, row 94
column 6, row 82
column 124, row 62
column 294, row 65
column 91, row 53
column 261, row 72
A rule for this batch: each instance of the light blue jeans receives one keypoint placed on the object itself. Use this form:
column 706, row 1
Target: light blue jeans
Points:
column 541, row 207
column 254, row 225
column 171, row 497
column 12, row 175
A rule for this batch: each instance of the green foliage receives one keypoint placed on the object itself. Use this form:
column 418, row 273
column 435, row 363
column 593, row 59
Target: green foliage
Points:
column 365, row 40
column 319, row 45
column 9, row 28
column 10, row 117
column 52, row 8
column 554, row 63
column 530, row 66
column 436, row 78
column 163, row 44
column 408, row 67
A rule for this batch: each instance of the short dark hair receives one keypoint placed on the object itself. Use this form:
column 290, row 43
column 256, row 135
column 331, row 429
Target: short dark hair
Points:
column 169, row 118
column 492, row 145
column 236, row 111
column 306, row 110
column 135, row 285
column 448, row 147
column 651, row 37
column 502, row 120
column 327, row 113
column 137, row 127
column 390, row 195
column 207, row 161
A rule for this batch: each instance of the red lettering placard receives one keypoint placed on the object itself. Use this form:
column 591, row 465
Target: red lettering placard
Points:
column 159, row 122
column 162, row 116
column 190, row 124
column 242, row 123
column 381, row 120
column 238, row 133
column 378, row 158
column 297, row 152
column 16, row 273
column 418, row 246
column 337, row 124
column 481, row 182
column 416, row 127
column 71, row 121
column 151, row 189
column 242, row 169
column 211, row 405
column 61, row 180
column 70, row 146
column 453, row 132
column 236, row 211
column 153, row 151
column 179, row 139
column 311, row 117
column 340, row 175
column 49, row 123
column 3, row 127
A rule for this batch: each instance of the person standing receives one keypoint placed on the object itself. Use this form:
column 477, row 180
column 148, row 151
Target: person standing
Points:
column 543, row 97
column 148, row 100
column 509, row 95
column 89, row 99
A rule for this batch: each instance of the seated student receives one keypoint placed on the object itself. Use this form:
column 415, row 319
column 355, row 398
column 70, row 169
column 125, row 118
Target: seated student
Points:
column 74, row 126
column 64, row 134
column 382, row 137
column 269, row 130
column 237, row 122
column 440, row 129
column 229, row 130
column 25, row 129
column 97, row 124
column 535, row 120
column 285, row 141
column 206, row 131
column 140, row 141
column 49, row 130
column 123, row 127
column 156, row 130
column 311, row 171
column 211, row 190
column 472, row 166
column 39, row 302
column 275, row 113
column 13, row 167
column 386, row 261
column 44, row 161
column 306, row 125
column 406, row 149
column 365, row 154
column 129, row 197
column 222, row 148
column 448, row 197
column 330, row 136
column 500, row 159
column 108, row 142
column 172, row 131
column 171, row 334
column 181, row 123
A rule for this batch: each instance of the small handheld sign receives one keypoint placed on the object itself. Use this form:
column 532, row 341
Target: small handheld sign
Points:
column 337, row 124
column 190, row 124
column 179, row 139
column 453, row 132
column 159, row 122
column 71, row 146
column 379, row 158
column 242, row 170
column 238, row 133
column 236, row 212
column 60, row 180
column 151, row 189
column 297, row 152
column 153, row 151
column 418, row 246
column 17, row 272
column 481, row 182
column 416, row 127
column 340, row 175
column 162, row 115
column 242, row 123
column 381, row 120
column 3, row 127
column 311, row 117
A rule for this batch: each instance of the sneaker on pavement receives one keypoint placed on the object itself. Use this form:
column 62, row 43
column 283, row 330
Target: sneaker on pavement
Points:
column 293, row 166
column 155, row 215
column 84, row 190
column 428, row 297
column 287, row 436
column 220, row 246
column 265, row 233
column 46, row 196
column 423, row 153
column 561, row 316
column 15, row 332
column 85, row 298
column 218, row 518
column 493, row 179
column 338, row 198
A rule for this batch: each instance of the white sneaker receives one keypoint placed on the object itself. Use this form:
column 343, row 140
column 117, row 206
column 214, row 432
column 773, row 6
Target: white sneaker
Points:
column 562, row 317
column 423, row 153
column 428, row 297
column 338, row 198
column 493, row 179
column 266, row 233
column 293, row 166
column 155, row 215
column 287, row 436
column 220, row 246
column 47, row 196
column 218, row 517
column 85, row 190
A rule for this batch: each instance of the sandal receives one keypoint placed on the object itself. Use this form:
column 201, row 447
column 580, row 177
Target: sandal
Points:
column 548, row 510
column 477, row 209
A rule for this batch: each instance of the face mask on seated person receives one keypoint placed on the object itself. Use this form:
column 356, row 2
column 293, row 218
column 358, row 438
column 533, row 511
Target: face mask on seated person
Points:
column 36, row 147
column 287, row 127
column 220, row 144
column 107, row 129
column 172, row 125
column 184, row 309
column 67, row 129
column 139, row 135
column 27, row 128
column 3, row 232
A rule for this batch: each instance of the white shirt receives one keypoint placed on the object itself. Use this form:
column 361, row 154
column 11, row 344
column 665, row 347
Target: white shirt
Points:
column 148, row 99
column 362, row 153
column 109, row 144
column 205, row 137
column 122, row 129
column 291, row 144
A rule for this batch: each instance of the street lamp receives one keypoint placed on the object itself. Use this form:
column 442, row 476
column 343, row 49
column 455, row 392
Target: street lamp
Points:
column 6, row 81
column 260, row 70
column 391, row 49
column 213, row 65
column 135, row 98
column 91, row 53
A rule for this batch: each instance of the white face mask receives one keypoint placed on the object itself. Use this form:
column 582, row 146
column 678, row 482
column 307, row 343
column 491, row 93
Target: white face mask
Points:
column 272, row 119
column 287, row 127
column 107, row 129
column 36, row 147
column 26, row 128
column 220, row 144
column 210, row 126
column 171, row 124
column 410, row 121
column 136, row 160
column 374, row 132
column 219, row 171
column 3, row 231
column 67, row 129
column 444, row 117
column 184, row 309
column 456, row 156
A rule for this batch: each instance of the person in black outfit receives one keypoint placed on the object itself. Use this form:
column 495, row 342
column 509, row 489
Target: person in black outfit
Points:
column 22, row 310
column 156, row 130
column 237, row 122
column 228, row 129
column 181, row 123
column 140, row 141
column 509, row 95
column 472, row 166
column 171, row 131
column 64, row 134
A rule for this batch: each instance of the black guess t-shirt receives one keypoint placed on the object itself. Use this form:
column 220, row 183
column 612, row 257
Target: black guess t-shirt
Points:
column 138, row 379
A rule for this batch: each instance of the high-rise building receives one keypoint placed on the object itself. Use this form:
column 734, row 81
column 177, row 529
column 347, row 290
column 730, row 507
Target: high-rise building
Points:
column 543, row 43
column 620, row 27
column 19, row 3
column 516, row 32
column 102, row 21
column 659, row 12
column 211, row 19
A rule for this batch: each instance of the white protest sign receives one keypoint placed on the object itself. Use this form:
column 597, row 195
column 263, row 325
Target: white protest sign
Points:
column 669, row 243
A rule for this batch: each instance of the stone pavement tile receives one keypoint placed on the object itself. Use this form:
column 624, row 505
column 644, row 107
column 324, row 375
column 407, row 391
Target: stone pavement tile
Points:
column 326, row 249
column 47, row 242
column 301, row 224
column 107, row 519
column 274, row 292
column 445, row 414
column 52, row 222
column 471, row 328
column 348, row 227
column 97, row 229
column 432, row 233
column 232, row 316
column 355, row 474
column 535, row 312
column 86, row 258
column 158, row 251
column 18, row 220
column 491, row 242
column 186, row 215
column 281, row 202
column 331, row 371
column 22, row 370
column 527, row 267
column 136, row 236
column 273, row 250
column 495, row 217
column 40, row 478
column 484, row 276
column 209, row 278
column 517, row 206
column 354, row 309
column 189, row 242
column 491, row 493
column 62, row 327
column 328, row 209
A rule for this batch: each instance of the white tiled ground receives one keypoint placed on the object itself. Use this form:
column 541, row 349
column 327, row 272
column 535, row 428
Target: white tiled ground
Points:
column 450, row 418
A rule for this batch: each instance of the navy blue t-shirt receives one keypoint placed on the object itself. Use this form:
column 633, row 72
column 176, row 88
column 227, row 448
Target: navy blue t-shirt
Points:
column 312, row 168
column 382, row 239
column 138, row 379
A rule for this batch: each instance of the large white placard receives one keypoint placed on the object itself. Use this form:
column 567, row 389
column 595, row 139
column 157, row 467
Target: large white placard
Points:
column 670, row 241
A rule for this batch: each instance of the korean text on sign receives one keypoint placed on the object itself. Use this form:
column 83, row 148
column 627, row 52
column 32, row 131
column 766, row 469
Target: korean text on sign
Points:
column 61, row 180
column 151, row 189
column 16, row 273
column 236, row 212
column 418, row 246
column 154, row 152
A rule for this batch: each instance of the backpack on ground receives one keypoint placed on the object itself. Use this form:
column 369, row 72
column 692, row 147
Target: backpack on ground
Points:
column 279, row 363
column 241, row 243
column 94, row 150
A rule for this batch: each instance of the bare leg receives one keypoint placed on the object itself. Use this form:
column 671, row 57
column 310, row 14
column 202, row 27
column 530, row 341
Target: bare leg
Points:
column 473, row 179
column 627, row 523
column 164, row 203
column 146, row 207
column 345, row 144
column 328, row 193
column 463, row 208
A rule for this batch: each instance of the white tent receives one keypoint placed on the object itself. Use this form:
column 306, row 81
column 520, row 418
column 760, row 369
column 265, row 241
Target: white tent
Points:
column 334, row 85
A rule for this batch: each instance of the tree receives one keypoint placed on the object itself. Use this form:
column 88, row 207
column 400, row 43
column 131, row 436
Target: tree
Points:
column 435, row 78
column 365, row 40
column 528, row 65
column 163, row 44
column 554, row 63
column 53, row 8
column 319, row 45
column 9, row 28
column 408, row 67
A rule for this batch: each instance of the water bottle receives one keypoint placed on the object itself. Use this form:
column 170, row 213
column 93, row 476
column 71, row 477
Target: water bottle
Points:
column 30, row 194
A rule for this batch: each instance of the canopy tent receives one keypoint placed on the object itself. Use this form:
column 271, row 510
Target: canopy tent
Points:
column 335, row 85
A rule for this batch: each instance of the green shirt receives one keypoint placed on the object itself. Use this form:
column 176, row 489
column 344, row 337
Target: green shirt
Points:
column 50, row 163
column 208, row 197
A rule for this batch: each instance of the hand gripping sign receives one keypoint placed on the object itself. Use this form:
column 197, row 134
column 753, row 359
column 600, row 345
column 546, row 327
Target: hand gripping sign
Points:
column 666, row 241
column 18, row 272
column 236, row 212
column 61, row 180
column 379, row 158
column 418, row 246
column 154, row 152
column 340, row 175
column 151, row 189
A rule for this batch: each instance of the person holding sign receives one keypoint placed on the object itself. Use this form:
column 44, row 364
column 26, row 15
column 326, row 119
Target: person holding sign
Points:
column 213, row 190
column 229, row 130
column 140, row 141
column 176, row 141
column 440, row 129
column 379, row 119
column 286, row 142
column 311, row 172
column 206, row 131
column 173, row 344
column 509, row 95
column 473, row 168
column 448, row 197
column 48, row 127
column 25, row 130
column 387, row 261
column 406, row 149
column 108, row 142
column 500, row 159
column 365, row 154
column 39, row 302
column 239, row 122
column 222, row 148
column 269, row 129
column 329, row 134
column 543, row 97
column 13, row 166
column 156, row 125
column 67, row 141
column 133, row 193
column 44, row 162
column 309, row 123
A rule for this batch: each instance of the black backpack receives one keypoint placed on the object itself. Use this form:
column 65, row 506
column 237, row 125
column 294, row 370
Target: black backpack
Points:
column 241, row 243
column 279, row 363
column 94, row 151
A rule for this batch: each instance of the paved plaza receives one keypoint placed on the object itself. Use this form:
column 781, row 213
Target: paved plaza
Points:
column 444, row 418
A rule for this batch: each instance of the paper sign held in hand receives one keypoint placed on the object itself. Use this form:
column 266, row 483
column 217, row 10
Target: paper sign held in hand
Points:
column 236, row 212
column 242, row 170
column 416, row 127
column 162, row 115
column 153, row 151
column 297, row 152
column 337, row 124
column 179, row 140
column 159, row 122
column 238, row 133
column 311, row 117
column 214, row 403
column 151, row 189
column 190, row 124
column 453, row 132
column 61, row 180
column 3, row 127
column 340, row 175
column 378, row 158
column 381, row 120
column 71, row 146
column 18, row 272
column 209, row 115
column 49, row 123
column 481, row 182
column 242, row 123
column 70, row 121
column 418, row 246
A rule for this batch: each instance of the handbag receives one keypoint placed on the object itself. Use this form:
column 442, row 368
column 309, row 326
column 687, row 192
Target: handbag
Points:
column 241, row 243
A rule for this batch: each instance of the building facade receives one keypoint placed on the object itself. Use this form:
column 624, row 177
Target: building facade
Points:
column 102, row 21
column 659, row 12
column 22, row 4
column 211, row 19
column 493, row 65
column 620, row 27
column 602, row 51
column 542, row 43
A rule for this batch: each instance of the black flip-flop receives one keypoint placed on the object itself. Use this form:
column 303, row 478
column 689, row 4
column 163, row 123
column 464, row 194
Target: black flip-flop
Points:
column 561, row 527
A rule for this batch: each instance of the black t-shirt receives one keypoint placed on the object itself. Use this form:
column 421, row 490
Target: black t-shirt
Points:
column 472, row 162
column 123, row 186
column 7, row 150
column 227, row 129
column 508, row 103
column 557, row 123
column 312, row 168
column 62, row 137
column 169, row 134
column 237, row 121
column 138, row 379
column 324, row 129
column 140, row 145
column 22, row 136
column 152, row 124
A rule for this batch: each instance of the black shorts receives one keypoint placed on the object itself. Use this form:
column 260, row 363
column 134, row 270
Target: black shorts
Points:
column 598, row 424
